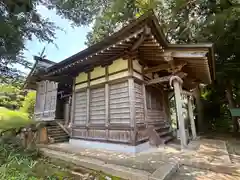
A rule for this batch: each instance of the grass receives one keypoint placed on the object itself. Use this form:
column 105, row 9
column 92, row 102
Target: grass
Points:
column 17, row 163
column 13, row 119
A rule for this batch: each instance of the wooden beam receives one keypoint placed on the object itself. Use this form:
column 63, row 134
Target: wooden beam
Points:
column 165, row 66
column 180, row 54
column 165, row 78
column 176, row 68
column 187, row 93
column 156, row 68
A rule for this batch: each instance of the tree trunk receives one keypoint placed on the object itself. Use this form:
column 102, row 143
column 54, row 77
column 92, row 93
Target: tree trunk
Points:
column 231, row 102
column 199, row 107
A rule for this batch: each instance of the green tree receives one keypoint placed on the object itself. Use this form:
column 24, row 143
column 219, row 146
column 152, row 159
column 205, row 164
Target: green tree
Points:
column 11, row 96
column 19, row 24
column 29, row 103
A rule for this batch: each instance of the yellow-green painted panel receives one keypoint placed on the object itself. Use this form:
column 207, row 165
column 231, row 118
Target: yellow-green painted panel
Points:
column 118, row 65
column 81, row 77
column 79, row 86
column 118, row 75
column 97, row 81
column 97, row 72
column 137, row 66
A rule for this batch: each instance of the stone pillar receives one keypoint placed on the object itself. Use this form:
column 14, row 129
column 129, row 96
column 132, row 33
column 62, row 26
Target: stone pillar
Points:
column 176, row 82
column 191, row 117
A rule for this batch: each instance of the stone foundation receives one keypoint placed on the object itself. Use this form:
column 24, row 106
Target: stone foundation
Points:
column 110, row 146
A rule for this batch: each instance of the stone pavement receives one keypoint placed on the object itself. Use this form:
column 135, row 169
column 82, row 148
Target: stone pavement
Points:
column 208, row 157
column 190, row 173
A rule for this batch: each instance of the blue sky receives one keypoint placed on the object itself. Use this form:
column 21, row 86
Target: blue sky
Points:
column 69, row 41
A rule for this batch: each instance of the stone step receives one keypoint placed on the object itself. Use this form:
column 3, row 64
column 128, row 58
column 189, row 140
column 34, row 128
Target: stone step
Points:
column 98, row 165
column 164, row 172
column 58, row 135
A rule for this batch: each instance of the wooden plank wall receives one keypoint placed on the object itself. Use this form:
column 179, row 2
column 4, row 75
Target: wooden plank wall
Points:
column 139, row 102
column 119, row 109
column 117, row 105
column 80, row 112
column 97, row 106
column 109, row 110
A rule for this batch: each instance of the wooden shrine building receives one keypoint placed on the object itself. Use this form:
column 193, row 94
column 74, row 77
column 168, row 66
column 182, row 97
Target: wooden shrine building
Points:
column 111, row 93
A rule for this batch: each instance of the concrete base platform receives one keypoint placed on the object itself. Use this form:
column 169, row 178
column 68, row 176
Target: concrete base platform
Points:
column 110, row 146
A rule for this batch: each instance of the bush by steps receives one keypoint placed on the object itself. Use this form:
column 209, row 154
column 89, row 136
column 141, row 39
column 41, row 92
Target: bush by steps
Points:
column 10, row 119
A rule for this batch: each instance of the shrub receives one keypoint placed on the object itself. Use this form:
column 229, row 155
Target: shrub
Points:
column 10, row 119
column 29, row 103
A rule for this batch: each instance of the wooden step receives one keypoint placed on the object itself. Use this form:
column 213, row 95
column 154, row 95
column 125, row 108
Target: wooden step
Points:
column 56, row 135
column 60, row 140
column 164, row 133
column 166, row 139
column 55, row 130
column 162, row 128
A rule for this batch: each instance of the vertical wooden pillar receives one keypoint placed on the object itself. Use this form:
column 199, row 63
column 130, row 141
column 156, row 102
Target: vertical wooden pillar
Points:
column 106, row 102
column 144, row 103
column 72, row 105
column 191, row 118
column 177, row 91
column 131, row 92
column 131, row 101
column 197, row 94
column 88, row 100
